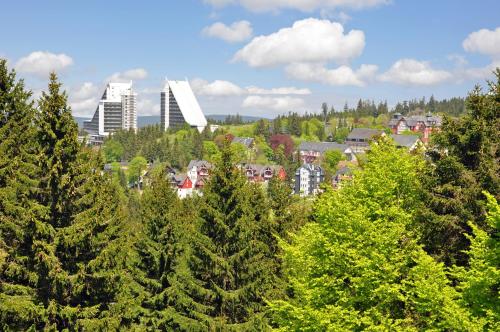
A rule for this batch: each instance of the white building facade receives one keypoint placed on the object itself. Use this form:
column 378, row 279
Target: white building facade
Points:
column 179, row 106
column 116, row 110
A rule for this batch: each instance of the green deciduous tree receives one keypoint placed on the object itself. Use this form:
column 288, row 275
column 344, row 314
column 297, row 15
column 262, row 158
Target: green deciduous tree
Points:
column 359, row 267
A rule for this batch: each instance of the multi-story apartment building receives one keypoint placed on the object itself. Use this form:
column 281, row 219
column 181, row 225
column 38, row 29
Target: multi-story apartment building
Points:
column 116, row 110
column 308, row 177
column 179, row 106
column 416, row 123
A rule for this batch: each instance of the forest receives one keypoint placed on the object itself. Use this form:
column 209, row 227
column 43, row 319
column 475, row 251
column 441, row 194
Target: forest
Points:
column 410, row 244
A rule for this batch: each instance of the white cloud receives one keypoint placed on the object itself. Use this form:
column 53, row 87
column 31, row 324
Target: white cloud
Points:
column 413, row 72
column 308, row 40
column 131, row 74
column 217, row 88
column 302, row 5
column 273, row 103
column 478, row 73
column 84, row 107
column 290, row 90
column 342, row 75
column 236, row 32
column 84, row 91
column 147, row 107
column 484, row 41
column 220, row 88
column 458, row 59
column 41, row 63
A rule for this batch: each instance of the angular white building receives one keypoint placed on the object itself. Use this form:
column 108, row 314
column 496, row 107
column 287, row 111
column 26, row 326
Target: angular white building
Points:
column 116, row 110
column 179, row 106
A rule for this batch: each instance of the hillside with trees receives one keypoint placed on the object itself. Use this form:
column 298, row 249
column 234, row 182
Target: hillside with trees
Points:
column 409, row 244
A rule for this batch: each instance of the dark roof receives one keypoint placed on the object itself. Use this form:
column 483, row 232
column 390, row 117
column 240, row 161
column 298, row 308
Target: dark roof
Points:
column 322, row 147
column 405, row 140
column 344, row 171
column 199, row 163
column 246, row 141
column 363, row 133
column 310, row 168
column 429, row 120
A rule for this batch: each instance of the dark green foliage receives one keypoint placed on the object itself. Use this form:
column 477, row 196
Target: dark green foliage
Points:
column 464, row 161
column 231, row 267
column 19, row 174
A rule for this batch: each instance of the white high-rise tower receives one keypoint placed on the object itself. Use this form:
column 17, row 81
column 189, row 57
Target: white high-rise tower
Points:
column 116, row 110
column 179, row 106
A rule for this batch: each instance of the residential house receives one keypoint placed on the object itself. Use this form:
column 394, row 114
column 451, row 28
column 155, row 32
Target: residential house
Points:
column 263, row 173
column 184, row 185
column 308, row 177
column 359, row 138
column 309, row 152
column 411, row 142
column 198, row 172
column 424, row 124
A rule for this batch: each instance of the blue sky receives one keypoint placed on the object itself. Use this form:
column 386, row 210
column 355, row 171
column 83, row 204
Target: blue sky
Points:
column 255, row 57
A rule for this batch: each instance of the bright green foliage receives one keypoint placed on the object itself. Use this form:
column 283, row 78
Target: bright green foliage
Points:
column 113, row 150
column 135, row 168
column 464, row 162
column 359, row 267
column 231, row 267
column 480, row 282
column 331, row 160
column 19, row 308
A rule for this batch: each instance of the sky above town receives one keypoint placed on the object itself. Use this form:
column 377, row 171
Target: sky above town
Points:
column 255, row 57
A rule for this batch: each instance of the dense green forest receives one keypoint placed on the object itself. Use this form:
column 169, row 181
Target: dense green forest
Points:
column 410, row 244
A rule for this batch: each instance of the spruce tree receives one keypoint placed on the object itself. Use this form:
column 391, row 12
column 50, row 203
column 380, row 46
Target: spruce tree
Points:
column 230, row 270
column 162, row 250
column 464, row 161
column 20, row 308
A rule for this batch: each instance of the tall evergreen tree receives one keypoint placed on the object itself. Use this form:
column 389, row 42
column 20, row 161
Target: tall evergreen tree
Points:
column 20, row 308
column 464, row 161
column 231, row 266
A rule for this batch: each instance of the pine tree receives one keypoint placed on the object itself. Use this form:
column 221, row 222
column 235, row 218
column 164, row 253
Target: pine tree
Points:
column 20, row 308
column 231, row 267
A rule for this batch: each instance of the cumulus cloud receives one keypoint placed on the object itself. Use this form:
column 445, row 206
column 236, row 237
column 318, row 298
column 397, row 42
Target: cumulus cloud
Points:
column 220, row 88
column 216, row 88
column 413, row 72
column 286, row 103
column 86, row 90
column 41, row 63
column 302, row 5
column 236, row 32
column 83, row 99
column 131, row 74
column 484, row 41
column 289, row 90
column 308, row 40
column 147, row 107
column 342, row 75
column 478, row 73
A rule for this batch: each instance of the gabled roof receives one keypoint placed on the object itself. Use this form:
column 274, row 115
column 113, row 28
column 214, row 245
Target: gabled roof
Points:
column 199, row 163
column 405, row 140
column 322, row 147
column 246, row 141
column 344, row 171
column 363, row 133
column 310, row 167
column 429, row 120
